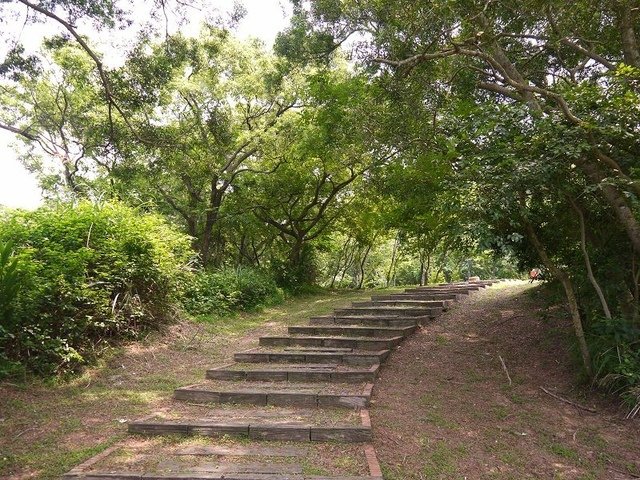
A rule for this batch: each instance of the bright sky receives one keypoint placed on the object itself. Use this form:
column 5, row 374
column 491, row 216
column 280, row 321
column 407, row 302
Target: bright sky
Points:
column 19, row 188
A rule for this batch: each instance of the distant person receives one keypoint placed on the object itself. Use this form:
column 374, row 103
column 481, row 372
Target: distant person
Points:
column 535, row 274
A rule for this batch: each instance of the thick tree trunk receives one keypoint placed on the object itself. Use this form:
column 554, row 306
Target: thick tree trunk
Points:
column 630, row 48
column 295, row 255
column 215, row 201
column 615, row 199
column 569, row 293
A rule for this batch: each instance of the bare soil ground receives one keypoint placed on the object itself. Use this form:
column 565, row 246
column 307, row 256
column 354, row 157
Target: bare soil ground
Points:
column 445, row 409
column 47, row 428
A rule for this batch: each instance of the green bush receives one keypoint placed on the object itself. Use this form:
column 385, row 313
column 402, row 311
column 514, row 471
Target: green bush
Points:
column 226, row 290
column 10, row 280
column 615, row 349
column 88, row 275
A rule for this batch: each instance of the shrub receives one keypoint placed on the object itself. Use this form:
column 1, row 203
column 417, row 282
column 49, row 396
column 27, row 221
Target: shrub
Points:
column 615, row 348
column 230, row 289
column 88, row 275
column 9, row 288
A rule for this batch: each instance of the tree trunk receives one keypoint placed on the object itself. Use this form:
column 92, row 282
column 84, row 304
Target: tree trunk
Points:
column 343, row 254
column 295, row 255
column 348, row 261
column 393, row 261
column 570, row 294
column 587, row 261
column 615, row 199
column 211, row 218
column 363, row 260
column 628, row 36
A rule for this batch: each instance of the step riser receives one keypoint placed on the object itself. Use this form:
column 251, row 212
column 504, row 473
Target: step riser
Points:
column 355, row 332
column 430, row 290
column 295, row 433
column 404, row 303
column 201, row 476
column 337, row 359
column 361, row 344
column 368, row 322
column 284, row 376
column 413, row 296
column 283, row 399
column 406, row 312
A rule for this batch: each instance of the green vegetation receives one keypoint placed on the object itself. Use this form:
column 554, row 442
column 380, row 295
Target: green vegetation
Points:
column 227, row 290
column 86, row 274
column 457, row 138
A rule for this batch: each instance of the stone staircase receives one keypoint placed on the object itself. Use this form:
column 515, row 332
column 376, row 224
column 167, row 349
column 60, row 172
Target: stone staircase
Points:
column 292, row 408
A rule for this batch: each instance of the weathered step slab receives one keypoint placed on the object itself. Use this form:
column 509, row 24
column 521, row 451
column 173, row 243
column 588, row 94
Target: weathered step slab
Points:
column 419, row 296
column 198, row 458
column 241, row 451
column 312, row 355
column 361, row 343
column 294, row 373
column 273, row 423
column 387, row 311
column 405, row 303
column 204, row 476
column 393, row 321
column 445, row 289
column 487, row 283
column 278, row 394
column 351, row 330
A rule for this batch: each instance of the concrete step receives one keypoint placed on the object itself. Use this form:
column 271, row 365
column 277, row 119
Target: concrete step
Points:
column 352, row 330
column 393, row 321
column 338, row 356
column 419, row 296
column 361, row 343
column 405, row 303
column 205, row 458
column 486, row 283
column 261, row 423
column 444, row 289
column 288, row 372
column 279, row 394
column 387, row 311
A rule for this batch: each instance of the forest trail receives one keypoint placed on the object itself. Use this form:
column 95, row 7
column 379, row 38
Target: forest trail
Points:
column 445, row 407
column 293, row 408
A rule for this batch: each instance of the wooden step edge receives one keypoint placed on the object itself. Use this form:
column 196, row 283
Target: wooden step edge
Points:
column 299, row 375
column 357, row 358
column 328, row 337
column 204, row 476
column 81, row 472
column 359, row 343
column 346, row 328
column 281, row 432
column 369, row 321
column 275, row 398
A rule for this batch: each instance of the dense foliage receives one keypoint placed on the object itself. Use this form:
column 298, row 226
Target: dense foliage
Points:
column 87, row 275
column 535, row 111
column 227, row 290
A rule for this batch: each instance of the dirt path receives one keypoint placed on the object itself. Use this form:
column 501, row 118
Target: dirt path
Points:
column 443, row 407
